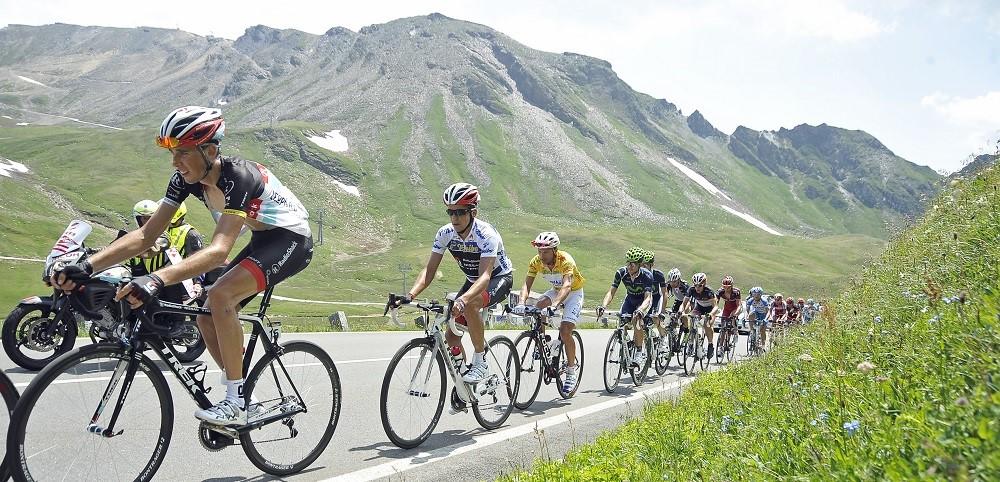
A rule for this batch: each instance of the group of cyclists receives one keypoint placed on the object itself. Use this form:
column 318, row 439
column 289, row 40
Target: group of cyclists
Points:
column 243, row 194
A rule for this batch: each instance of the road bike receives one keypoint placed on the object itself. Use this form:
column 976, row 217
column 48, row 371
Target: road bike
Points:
column 665, row 347
column 539, row 364
column 415, row 384
column 731, row 334
column 693, row 345
column 620, row 353
column 104, row 411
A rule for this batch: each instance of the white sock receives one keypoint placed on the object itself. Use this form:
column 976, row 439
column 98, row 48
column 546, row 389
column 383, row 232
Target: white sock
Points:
column 234, row 391
column 479, row 357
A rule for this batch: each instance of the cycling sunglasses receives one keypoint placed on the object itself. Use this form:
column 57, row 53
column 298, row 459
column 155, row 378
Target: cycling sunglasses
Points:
column 457, row 212
column 168, row 142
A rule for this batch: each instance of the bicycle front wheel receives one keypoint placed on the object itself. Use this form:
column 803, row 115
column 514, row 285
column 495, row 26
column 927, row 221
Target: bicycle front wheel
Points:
column 529, row 354
column 8, row 392
column 302, row 383
column 703, row 360
column 734, row 339
column 53, row 435
column 639, row 373
column 689, row 350
column 613, row 360
column 496, row 394
column 413, row 393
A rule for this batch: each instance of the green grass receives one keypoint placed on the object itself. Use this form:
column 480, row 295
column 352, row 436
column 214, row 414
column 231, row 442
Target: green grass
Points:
column 367, row 238
column 896, row 381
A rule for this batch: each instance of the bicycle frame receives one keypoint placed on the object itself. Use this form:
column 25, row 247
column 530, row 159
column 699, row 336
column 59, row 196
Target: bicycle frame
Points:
column 136, row 342
column 434, row 331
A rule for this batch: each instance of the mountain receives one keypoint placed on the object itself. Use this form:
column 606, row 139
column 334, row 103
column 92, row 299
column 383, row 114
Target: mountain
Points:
column 978, row 163
column 426, row 101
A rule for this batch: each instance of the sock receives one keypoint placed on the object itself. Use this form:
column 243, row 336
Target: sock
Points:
column 234, row 392
column 479, row 357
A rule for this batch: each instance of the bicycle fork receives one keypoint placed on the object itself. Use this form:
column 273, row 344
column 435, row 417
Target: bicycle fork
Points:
column 128, row 369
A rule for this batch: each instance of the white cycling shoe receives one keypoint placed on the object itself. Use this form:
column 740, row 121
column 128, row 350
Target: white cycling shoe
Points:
column 226, row 413
column 477, row 373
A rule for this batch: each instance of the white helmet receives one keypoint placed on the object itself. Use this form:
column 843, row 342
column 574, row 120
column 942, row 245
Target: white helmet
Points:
column 142, row 209
column 674, row 275
column 547, row 239
column 699, row 278
column 191, row 126
column 462, row 193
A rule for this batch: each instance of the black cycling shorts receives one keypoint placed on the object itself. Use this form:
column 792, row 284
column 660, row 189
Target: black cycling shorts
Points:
column 272, row 256
column 495, row 292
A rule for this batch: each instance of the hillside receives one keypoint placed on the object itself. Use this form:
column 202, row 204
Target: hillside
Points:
column 424, row 101
column 896, row 381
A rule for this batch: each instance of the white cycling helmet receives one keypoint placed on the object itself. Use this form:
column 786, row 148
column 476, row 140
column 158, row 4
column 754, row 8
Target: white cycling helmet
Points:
column 191, row 126
column 674, row 275
column 756, row 290
column 547, row 239
column 699, row 278
column 462, row 193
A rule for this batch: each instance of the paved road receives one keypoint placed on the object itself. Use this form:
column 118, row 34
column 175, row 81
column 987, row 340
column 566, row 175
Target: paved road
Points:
column 459, row 448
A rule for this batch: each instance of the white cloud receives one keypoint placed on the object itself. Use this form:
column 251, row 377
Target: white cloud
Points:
column 982, row 110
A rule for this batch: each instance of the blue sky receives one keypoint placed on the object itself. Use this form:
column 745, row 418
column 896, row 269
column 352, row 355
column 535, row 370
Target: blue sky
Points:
column 923, row 77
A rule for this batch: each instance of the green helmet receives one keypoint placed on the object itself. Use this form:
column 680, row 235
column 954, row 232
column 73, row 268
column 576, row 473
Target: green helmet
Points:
column 635, row 254
column 647, row 256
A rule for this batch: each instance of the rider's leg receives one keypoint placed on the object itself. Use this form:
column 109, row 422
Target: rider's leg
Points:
column 566, row 334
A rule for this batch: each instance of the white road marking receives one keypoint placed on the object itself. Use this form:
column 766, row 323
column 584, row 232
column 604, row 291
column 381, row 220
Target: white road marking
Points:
column 423, row 458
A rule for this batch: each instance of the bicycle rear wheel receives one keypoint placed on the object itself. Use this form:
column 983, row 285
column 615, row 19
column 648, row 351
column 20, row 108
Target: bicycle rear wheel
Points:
column 663, row 356
column 497, row 393
column 613, row 360
column 52, row 436
column 688, row 349
column 703, row 359
column 529, row 354
column 734, row 339
column 579, row 367
column 413, row 393
column 303, row 380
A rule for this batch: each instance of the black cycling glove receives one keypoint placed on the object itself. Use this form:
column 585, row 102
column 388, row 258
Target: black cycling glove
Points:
column 79, row 271
column 145, row 288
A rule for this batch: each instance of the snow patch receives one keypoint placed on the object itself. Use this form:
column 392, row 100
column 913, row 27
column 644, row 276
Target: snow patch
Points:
column 352, row 190
column 7, row 117
column 23, row 124
column 752, row 220
column 32, row 81
column 331, row 141
column 698, row 178
column 222, row 102
column 7, row 166
column 413, row 32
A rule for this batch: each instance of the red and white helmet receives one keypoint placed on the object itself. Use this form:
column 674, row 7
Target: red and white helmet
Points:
column 727, row 280
column 462, row 193
column 191, row 126
column 547, row 239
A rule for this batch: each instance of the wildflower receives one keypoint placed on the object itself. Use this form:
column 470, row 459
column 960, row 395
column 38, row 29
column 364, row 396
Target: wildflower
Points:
column 962, row 402
column 934, row 319
column 813, row 422
column 805, row 357
column 923, row 310
column 739, row 413
column 881, row 379
column 878, row 319
column 823, row 416
column 726, row 420
column 815, row 387
column 852, row 426
column 866, row 366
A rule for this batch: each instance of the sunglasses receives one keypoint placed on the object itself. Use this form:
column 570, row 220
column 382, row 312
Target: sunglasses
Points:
column 168, row 142
column 457, row 212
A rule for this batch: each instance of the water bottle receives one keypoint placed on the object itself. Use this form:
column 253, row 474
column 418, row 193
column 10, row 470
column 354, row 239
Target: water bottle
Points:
column 457, row 360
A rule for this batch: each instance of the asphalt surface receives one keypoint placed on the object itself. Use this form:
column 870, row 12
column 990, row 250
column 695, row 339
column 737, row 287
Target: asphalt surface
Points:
column 459, row 448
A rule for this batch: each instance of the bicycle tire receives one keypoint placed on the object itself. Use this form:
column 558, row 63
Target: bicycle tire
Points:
column 705, row 359
column 528, row 365
column 8, row 392
column 688, row 348
column 734, row 340
column 13, row 333
column 92, row 445
column 190, row 351
column 509, row 378
column 579, row 367
column 287, row 387
column 614, row 354
column 430, row 355
column 638, row 374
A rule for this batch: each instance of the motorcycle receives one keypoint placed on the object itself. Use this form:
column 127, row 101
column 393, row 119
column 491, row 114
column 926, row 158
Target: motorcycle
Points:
column 40, row 328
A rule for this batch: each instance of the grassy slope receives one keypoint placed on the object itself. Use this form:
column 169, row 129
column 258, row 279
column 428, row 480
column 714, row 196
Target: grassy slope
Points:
column 355, row 268
column 924, row 315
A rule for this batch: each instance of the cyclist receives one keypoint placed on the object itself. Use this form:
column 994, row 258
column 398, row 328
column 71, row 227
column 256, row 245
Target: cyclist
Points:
column 809, row 311
column 659, row 297
column 678, row 288
column 701, row 301
column 479, row 251
column 638, row 283
column 757, row 309
column 237, row 192
column 777, row 315
column 792, row 310
column 731, row 308
column 557, row 267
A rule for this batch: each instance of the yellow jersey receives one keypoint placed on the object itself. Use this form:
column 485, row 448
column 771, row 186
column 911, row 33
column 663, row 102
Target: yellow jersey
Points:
column 564, row 265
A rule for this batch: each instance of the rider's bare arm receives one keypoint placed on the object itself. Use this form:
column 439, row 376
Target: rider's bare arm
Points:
column 526, row 288
column 206, row 259
column 647, row 301
column 135, row 242
column 427, row 275
column 609, row 296
column 564, row 291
